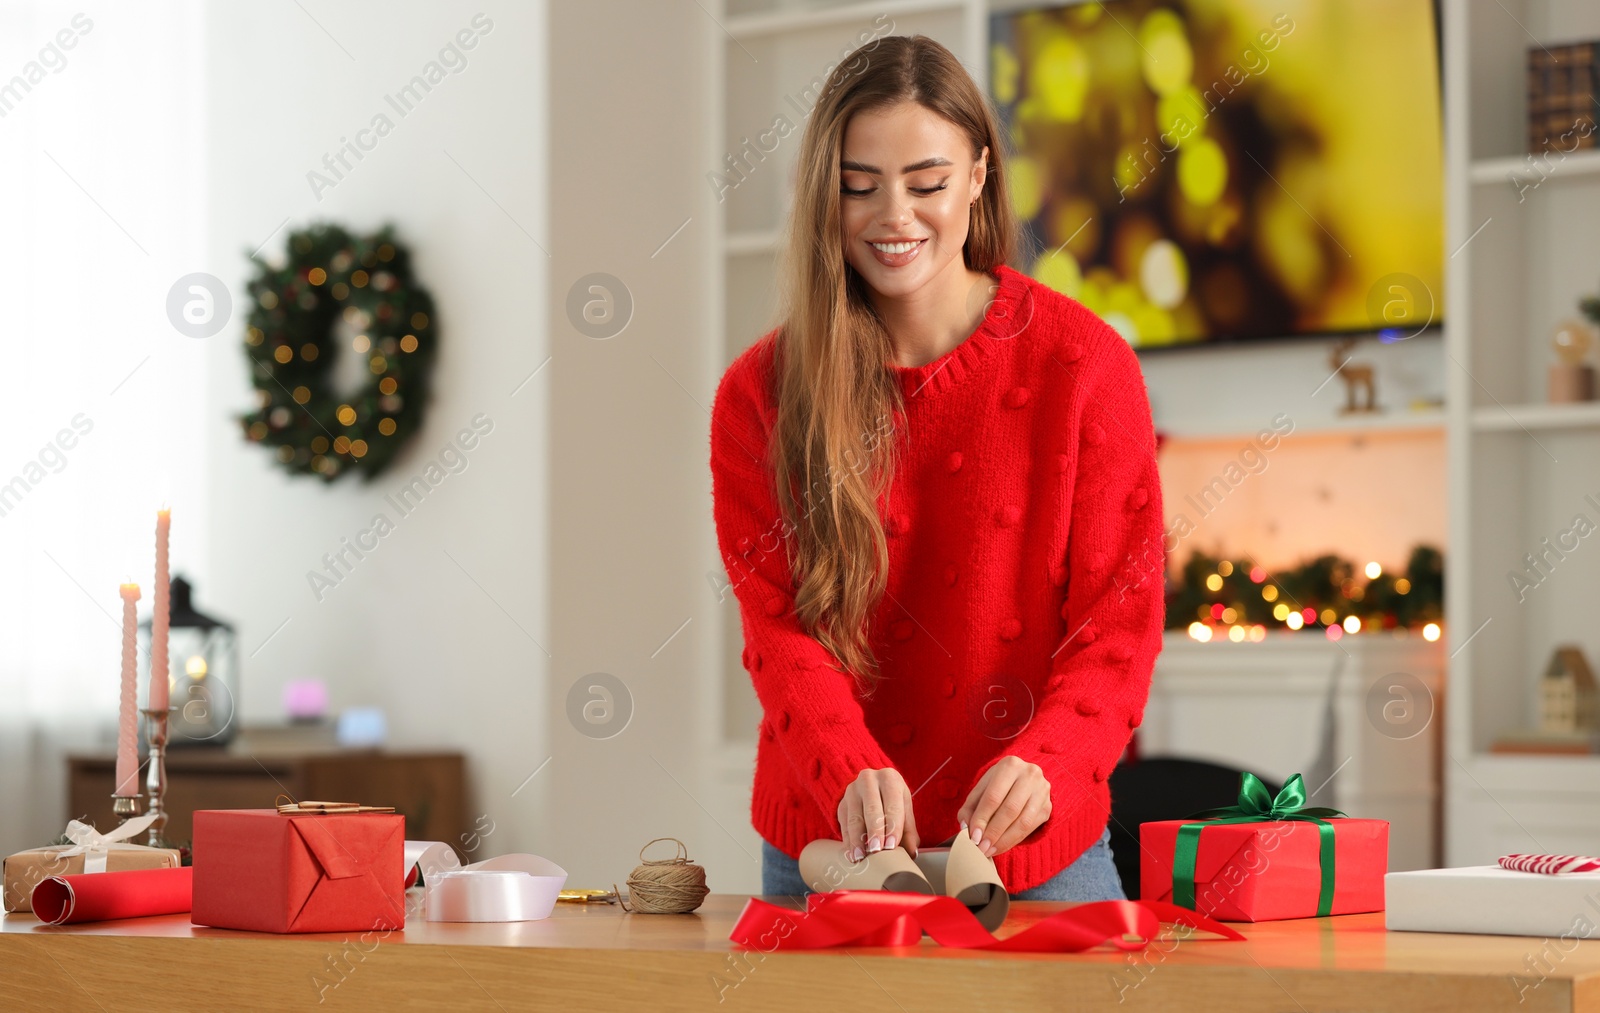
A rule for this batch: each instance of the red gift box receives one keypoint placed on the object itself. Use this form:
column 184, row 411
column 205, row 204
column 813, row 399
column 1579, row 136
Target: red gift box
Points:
column 267, row 871
column 1257, row 872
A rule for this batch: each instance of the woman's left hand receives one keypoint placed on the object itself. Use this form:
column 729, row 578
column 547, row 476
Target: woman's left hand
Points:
column 1008, row 803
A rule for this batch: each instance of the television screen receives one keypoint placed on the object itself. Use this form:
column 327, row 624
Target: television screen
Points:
column 1204, row 170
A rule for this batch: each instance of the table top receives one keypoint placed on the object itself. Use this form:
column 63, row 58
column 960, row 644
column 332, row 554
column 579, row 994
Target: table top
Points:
column 1347, row 942
column 1347, row 962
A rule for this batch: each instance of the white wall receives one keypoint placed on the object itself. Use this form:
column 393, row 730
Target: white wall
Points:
column 101, row 210
column 632, row 538
column 447, row 650
column 586, row 513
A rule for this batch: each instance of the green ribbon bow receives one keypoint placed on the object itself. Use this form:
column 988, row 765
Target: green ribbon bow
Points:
column 1256, row 806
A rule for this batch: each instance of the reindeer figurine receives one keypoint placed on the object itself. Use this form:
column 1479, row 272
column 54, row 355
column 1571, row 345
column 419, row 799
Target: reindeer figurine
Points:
column 1356, row 377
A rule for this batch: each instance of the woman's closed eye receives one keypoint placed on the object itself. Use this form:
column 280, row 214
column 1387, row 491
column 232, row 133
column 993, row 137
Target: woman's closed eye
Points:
column 920, row 190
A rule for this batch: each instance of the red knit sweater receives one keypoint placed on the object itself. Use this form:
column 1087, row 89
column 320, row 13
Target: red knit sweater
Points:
column 1025, row 597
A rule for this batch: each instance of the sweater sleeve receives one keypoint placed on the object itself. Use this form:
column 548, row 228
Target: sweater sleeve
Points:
column 1114, row 607
column 808, row 699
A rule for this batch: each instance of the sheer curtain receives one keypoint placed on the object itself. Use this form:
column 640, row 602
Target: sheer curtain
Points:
column 102, row 402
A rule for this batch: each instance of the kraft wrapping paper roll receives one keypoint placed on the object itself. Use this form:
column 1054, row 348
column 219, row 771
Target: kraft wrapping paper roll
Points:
column 957, row 869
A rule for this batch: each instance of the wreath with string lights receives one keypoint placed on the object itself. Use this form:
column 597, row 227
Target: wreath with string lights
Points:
column 334, row 290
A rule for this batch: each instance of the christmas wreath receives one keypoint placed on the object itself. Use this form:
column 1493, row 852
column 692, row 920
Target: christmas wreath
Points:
column 338, row 290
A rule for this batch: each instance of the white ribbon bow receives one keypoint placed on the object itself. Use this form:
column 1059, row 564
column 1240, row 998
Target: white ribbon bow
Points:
column 95, row 846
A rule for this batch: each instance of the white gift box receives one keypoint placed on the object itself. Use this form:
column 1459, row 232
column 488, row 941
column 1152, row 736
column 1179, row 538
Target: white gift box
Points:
column 1492, row 900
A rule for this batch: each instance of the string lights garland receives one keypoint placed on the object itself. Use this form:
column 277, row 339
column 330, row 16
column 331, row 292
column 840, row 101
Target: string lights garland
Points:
column 1240, row 600
column 336, row 289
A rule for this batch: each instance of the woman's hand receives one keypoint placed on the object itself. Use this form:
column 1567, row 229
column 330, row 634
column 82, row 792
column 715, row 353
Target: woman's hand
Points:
column 875, row 814
column 1008, row 803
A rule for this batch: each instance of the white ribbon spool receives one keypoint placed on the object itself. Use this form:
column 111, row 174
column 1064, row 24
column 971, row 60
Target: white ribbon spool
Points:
column 510, row 888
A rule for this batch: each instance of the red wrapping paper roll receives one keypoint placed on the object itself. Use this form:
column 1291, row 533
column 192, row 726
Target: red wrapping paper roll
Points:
column 101, row 896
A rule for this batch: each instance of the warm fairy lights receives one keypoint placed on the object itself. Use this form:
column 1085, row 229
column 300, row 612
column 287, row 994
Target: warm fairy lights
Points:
column 1238, row 602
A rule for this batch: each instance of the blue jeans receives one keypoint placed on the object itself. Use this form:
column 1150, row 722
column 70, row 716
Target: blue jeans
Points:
column 1092, row 876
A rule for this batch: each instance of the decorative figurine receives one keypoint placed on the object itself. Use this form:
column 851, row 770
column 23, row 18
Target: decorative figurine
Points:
column 1356, row 377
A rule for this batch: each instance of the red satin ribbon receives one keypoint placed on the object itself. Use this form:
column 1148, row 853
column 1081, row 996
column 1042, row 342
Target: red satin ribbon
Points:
column 886, row 918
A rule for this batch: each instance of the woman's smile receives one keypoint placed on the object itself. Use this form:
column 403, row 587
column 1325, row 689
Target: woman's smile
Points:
column 897, row 254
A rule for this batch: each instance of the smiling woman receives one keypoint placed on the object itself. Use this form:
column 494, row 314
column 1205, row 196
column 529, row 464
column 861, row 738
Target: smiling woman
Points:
column 902, row 227
column 919, row 626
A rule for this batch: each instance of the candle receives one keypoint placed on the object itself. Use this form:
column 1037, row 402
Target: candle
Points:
column 127, row 718
column 158, row 618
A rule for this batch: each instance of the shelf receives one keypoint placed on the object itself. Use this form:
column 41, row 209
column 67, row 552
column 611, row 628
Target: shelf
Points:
column 1350, row 425
column 751, row 26
column 1577, row 165
column 1517, row 772
column 744, row 244
column 1494, row 418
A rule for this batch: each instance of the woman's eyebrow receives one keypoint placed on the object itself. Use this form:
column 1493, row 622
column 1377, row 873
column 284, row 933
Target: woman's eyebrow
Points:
column 926, row 163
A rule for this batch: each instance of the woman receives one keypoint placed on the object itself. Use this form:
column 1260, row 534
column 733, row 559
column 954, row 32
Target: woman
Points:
column 936, row 497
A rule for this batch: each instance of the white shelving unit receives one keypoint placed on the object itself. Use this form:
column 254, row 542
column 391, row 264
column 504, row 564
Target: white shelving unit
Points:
column 1532, row 417
column 1520, row 469
column 1519, row 171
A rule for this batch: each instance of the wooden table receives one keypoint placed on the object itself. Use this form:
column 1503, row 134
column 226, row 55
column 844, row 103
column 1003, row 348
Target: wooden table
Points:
column 599, row 958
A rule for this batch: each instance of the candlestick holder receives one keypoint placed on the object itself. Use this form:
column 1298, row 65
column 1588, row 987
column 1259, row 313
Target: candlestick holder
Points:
column 126, row 807
column 156, row 776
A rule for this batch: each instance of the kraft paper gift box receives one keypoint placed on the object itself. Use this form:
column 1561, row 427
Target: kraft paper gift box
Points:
column 1489, row 899
column 26, row 869
column 1254, row 872
column 267, row 871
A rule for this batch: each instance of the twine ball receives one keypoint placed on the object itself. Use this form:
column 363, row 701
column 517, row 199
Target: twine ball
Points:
column 666, row 886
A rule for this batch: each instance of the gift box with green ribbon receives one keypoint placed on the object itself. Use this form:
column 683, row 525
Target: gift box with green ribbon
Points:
column 1266, row 858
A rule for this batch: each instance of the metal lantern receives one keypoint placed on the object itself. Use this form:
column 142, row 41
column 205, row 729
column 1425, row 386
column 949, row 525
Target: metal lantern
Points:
column 203, row 672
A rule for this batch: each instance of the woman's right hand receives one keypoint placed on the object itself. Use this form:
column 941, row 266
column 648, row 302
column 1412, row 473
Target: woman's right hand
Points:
column 875, row 814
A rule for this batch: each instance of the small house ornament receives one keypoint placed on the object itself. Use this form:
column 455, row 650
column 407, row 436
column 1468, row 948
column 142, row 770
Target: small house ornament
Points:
column 1569, row 699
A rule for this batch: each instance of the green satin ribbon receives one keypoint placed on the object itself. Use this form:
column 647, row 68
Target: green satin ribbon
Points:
column 1256, row 806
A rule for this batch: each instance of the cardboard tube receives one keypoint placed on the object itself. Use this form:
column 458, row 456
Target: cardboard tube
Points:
column 957, row 869
column 932, row 862
column 971, row 878
column 825, row 868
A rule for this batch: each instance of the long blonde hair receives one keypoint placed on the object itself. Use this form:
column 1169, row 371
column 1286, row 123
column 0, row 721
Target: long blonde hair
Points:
column 835, row 392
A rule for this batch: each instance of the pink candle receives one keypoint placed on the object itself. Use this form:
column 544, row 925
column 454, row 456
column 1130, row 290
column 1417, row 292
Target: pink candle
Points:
column 127, row 717
column 158, row 618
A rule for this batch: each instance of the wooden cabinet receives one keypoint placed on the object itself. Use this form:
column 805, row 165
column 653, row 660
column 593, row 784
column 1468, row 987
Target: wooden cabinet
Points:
column 428, row 788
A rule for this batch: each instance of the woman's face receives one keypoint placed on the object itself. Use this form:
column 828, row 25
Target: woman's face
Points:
column 907, row 182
